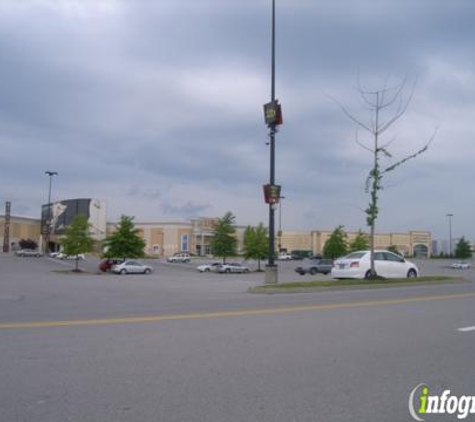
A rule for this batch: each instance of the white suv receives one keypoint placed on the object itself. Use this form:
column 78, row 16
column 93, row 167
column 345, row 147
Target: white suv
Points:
column 179, row 257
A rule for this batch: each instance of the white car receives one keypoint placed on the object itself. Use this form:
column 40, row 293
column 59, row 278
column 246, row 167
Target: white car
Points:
column 232, row 267
column 387, row 264
column 179, row 257
column 131, row 266
column 206, row 268
column 61, row 255
column 461, row 265
column 284, row 256
column 28, row 252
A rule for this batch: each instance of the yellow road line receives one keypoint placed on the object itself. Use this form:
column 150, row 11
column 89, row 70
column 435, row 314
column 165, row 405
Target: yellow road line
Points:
column 224, row 314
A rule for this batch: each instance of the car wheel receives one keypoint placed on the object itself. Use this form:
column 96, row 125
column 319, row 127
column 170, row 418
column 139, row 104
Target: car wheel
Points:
column 207, row 270
column 313, row 271
column 147, row 271
column 412, row 273
column 368, row 274
column 245, row 271
column 123, row 271
column 228, row 270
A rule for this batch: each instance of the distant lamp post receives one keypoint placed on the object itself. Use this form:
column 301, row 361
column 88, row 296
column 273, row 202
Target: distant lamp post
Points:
column 49, row 216
column 450, row 233
column 280, row 223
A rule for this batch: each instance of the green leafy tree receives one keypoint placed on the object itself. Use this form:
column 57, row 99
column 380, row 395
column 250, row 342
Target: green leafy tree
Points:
column 336, row 245
column 125, row 241
column 256, row 243
column 359, row 243
column 463, row 250
column 224, row 241
column 77, row 238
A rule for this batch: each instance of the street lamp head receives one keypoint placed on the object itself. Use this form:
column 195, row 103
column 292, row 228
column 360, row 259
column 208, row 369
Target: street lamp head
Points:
column 51, row 173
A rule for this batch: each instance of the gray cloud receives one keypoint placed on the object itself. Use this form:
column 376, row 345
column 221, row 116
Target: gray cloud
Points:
column 157, row 107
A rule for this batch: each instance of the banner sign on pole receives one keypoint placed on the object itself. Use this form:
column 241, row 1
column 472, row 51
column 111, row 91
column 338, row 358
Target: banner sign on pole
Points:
column 271, row 194
column 273, row 113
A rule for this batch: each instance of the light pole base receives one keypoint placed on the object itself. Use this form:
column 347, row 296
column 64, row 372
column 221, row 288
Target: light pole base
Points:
column 271, row 274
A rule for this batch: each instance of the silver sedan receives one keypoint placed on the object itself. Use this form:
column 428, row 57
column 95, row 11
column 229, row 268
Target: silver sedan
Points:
column 131, row 266
column 233, row 268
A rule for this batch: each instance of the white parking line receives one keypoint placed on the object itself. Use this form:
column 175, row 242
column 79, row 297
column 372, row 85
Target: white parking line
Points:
column 466, row 329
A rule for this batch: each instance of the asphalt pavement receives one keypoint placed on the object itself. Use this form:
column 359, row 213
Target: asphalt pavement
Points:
column 183, row 346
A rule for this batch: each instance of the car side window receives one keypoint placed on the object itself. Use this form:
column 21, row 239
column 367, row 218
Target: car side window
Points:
column 393, row 257
column 379, row 256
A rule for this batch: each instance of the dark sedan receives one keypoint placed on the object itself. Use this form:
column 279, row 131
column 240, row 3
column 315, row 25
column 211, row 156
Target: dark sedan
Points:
column 323, row 266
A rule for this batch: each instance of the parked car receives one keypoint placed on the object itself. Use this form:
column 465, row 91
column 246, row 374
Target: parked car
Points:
column 233, row 267
column 62, row 255
column 298, row 255
column 284, row 256
column 323, row 266
column 208, row 267
column 387, row 264
column 107, row 264
column 461, row 265
column 28, row 252
column 131, row 266
column 179, row 257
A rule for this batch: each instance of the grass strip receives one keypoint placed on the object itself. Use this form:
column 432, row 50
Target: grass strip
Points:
column 301, row 286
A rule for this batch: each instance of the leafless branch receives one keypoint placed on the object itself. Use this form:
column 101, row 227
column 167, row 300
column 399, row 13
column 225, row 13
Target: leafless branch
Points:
column 350, row 116
column 401, row 109
column 362, row 145
column 389, row 143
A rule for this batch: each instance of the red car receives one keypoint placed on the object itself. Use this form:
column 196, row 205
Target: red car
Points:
column 107, row 264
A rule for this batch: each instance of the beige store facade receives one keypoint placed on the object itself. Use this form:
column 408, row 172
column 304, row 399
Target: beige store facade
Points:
column 167, row 238
column 413, row 243
column 20, row 228
column 194, row 236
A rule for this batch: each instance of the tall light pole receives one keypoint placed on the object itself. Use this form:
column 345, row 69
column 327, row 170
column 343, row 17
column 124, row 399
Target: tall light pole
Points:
column 273, row 118
column 450, row 233
column 49, row 218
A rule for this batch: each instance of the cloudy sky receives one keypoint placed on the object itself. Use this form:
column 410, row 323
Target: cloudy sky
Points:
column 156, row 107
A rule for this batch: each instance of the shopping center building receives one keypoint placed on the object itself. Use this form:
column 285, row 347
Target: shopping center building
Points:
column 194, row 235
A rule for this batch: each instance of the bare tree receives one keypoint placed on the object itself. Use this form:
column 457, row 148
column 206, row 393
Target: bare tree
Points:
column 386, row 106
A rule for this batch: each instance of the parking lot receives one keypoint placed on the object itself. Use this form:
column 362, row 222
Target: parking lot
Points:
column 107, row 347
column 46, row 288
column 185, row 273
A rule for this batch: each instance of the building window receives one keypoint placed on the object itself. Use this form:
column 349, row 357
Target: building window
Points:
column 156, row 249
column 184, row 242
